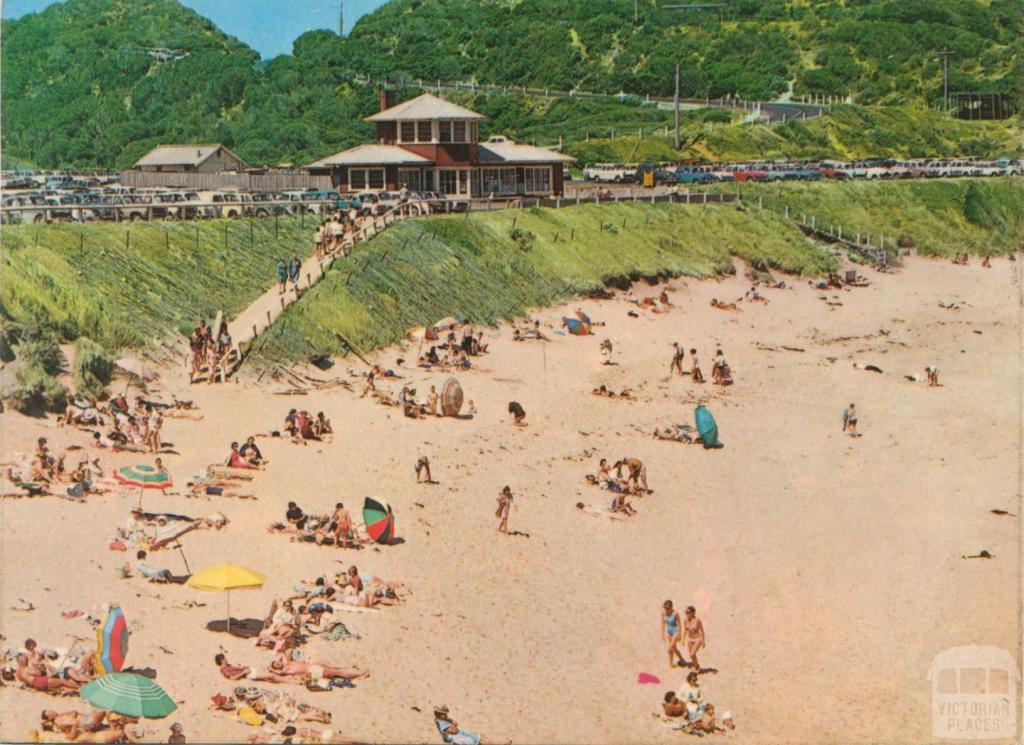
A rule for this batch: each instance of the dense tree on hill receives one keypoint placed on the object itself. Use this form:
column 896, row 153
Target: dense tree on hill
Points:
column 79, row 87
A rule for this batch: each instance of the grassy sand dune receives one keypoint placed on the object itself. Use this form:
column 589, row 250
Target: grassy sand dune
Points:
column 131, row 283
column 497, row 265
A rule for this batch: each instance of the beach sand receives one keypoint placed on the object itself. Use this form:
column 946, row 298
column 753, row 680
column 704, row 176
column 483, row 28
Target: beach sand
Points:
column 827, row 569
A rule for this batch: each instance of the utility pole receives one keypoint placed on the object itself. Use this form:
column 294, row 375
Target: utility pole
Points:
column 945, row 78
column 675, row 102
column 341, row 18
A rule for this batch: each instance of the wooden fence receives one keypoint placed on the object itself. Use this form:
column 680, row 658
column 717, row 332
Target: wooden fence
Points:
column 279, row 181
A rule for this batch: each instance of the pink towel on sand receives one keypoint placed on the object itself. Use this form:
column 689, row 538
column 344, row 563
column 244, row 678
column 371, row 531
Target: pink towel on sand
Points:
column 647, row 678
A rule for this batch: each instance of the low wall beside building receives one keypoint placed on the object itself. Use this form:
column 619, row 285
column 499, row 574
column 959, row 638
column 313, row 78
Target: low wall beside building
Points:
column 278, row 181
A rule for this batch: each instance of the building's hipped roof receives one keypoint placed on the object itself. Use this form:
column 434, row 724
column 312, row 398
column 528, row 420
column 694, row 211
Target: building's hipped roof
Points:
column 180, row 155
column 371, row 155
column 500, row 150
column 426, row 106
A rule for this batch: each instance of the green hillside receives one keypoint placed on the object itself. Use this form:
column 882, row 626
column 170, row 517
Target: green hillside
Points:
column 79, row 87
column 938, row 218
column 845, row 132
column 874, row 51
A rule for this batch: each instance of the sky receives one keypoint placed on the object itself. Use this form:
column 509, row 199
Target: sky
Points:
column 268, row 26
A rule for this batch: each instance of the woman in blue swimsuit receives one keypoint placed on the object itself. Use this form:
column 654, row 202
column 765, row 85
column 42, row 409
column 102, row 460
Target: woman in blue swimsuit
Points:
column 671, row 629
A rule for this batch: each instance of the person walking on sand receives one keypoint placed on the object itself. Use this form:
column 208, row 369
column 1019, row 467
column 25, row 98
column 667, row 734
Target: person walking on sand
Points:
column 695, row 639
column 504, row 507
column 850, row 420
column 282, row 276
column 343, row 532
column 695, row 374
column 155, row 422
column 294, row 267
column 671, row 631
column 933, row 375
column 677, row 359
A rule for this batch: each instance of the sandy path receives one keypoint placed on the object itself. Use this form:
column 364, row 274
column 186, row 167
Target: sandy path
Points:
column 827, row 570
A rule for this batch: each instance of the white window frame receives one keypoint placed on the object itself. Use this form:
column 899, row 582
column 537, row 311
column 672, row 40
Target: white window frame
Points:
column 535, row 178
column 462, row 176
column 424, row 131
column 503, row 179
column 367, row 183
column 440, row 131
column 456, row 126
column 412, row 178
column 401, row 134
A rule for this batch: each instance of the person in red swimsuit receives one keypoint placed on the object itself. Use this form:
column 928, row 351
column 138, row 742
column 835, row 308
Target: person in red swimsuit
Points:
column 36, row 677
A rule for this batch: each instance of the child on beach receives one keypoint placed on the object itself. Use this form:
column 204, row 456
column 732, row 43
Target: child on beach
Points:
column 504, row 507
column 695, row 374
column 850, row 420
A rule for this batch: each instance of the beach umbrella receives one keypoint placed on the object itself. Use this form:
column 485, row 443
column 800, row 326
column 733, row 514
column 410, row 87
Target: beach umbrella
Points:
column 451, row 397
column 112, row 641
column 128, row 694
column 706, row 426
column 583, row 317
column 144, row 477
column 379, row 519
column 419, row 333
column 136, row 367
column 446, row 323
column 225, row 578
column 576, row 327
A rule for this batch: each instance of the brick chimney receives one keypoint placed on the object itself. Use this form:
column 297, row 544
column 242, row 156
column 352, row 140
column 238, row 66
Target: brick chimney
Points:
column 387, row 100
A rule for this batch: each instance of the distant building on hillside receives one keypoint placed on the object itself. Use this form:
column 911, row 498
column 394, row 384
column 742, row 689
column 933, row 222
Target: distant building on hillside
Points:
column 430, row 144
column 190, row 159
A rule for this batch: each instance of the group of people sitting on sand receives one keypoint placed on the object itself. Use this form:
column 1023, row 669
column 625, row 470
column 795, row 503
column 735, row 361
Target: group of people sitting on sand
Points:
column 337, row 528
column 687, row 710
column 206, row 352
column 605, row 392
column 625, row 478
column 153, row 531
column 279, row 716
column 661, row 304
column 48, row 473
column 454, row 354
column 46, row 670
column 527, row 328
column 302, row 426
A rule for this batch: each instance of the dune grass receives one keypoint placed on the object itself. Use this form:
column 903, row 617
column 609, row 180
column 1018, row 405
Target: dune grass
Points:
column 132, row 284
column 938, row 218
column 844, row 132
column 497, row 265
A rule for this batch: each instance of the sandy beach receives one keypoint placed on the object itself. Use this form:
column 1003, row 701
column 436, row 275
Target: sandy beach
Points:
column 826, row 569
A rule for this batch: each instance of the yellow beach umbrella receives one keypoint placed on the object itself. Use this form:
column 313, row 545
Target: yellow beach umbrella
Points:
column 225, row 578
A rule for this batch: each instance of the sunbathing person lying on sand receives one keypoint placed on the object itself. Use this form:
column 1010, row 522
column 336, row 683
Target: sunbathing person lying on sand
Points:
column 596, row 510
column 290, row 733
column 724, row 306
column 35, row 675
column 674, row 434
column 286, row 670
column 274, row 702
column 229, row 671
column 71, row 723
